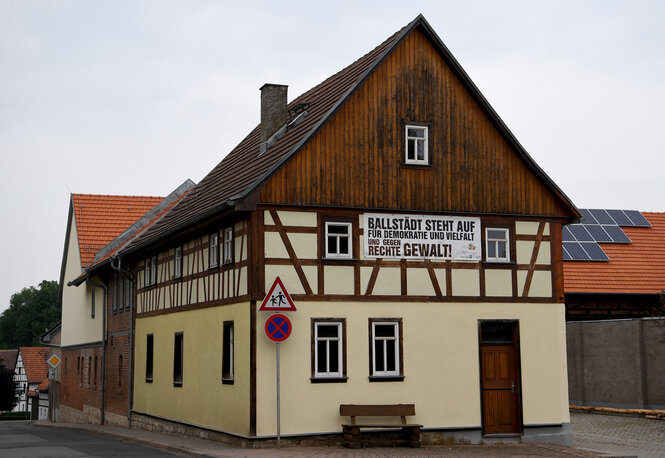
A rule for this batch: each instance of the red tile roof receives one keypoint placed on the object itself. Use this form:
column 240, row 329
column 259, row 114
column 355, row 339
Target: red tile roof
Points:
column 43, row 387
column 34, row 360
column 634, row 268
column 100, row 218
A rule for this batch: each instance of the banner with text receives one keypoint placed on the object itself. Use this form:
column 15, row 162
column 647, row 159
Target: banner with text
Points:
column 422, row 236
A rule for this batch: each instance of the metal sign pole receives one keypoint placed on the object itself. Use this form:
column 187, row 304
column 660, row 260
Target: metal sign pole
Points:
column 277, row 361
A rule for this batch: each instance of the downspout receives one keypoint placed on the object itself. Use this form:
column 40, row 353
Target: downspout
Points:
column 130, row 393
column 99, row 285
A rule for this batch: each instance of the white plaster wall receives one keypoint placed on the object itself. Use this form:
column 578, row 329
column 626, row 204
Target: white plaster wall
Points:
column 77, row 325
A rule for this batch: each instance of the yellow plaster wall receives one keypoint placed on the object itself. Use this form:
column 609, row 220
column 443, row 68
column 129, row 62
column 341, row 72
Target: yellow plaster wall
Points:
column 441, row 365
column 466, row 282
column 498, row 283
column 202, row 400
column 77, row 325
column 338, row 279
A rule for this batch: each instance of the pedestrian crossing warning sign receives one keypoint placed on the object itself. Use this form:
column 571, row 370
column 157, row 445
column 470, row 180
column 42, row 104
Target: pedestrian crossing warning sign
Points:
column 277, row 299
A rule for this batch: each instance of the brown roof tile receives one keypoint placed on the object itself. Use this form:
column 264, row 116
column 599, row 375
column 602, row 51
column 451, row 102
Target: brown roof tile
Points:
column 243, row 169
column 633, row 268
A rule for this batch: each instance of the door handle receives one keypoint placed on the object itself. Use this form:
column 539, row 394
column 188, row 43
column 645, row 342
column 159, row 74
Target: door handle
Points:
column 512, row 387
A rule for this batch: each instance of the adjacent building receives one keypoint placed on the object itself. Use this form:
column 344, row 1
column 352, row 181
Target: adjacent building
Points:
column 615, row 308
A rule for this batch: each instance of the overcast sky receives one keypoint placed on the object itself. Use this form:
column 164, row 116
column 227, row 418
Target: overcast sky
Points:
column 134, row 97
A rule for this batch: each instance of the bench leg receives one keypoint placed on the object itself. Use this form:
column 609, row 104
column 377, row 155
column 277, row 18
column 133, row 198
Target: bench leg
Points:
column 351, row 437
column 412, row 436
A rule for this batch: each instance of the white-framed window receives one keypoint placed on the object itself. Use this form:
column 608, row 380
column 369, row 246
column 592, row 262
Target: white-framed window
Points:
column 386, row 349
column 150, row 271
column 338, row 240
column 227, row 351
column 497, row 247
column 177, row 262
column 227, row 247
column 213, row 250
column 328, row 349
column 417, row 145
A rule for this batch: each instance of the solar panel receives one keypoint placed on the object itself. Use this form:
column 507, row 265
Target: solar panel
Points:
column 602, row 217
column 637, row 218
column 598, row 233
column 580, row 233
column 587, row 217
column 566, row 256
column 575, row 251
column 594, row 251
column 566, row 235
column 620, row 217
column 618, row 236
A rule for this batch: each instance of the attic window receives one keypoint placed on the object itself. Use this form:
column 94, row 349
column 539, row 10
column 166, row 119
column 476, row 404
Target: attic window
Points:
column 417, row 145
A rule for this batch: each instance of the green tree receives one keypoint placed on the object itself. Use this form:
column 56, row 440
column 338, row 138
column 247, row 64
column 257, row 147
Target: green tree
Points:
column 8, row 386
column 31, row 312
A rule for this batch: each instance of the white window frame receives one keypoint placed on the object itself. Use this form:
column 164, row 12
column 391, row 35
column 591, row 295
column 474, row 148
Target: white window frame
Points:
column 385, row 341
column 227, row 247
column 329, row 341
column 416, row 140
column 177, row 262
column 349, row 236
column 213, row 250
column 495, row 241
column 150, row 271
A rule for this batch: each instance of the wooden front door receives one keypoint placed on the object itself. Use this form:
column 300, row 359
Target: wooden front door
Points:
column 499, row 368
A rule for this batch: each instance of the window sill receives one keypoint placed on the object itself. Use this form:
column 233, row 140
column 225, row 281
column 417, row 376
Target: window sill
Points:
column 340, row 261
column 498, row 261
column 328, row 379
column 227, row 381
column 413, row 166
column 148, row 380
column 386, row 378
column 177, row 384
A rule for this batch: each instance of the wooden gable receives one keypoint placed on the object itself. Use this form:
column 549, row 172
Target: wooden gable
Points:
column 356, row 158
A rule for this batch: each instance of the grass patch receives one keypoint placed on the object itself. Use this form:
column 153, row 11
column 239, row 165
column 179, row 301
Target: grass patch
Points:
column 8, row 416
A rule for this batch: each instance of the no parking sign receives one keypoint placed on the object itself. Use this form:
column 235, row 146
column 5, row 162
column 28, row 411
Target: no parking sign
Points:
column 278, row 327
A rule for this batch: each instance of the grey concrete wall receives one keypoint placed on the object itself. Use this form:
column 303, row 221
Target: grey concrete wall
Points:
column 617, row 363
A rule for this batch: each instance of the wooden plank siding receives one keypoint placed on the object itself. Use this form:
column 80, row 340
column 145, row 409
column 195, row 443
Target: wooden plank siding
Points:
column 356, row 159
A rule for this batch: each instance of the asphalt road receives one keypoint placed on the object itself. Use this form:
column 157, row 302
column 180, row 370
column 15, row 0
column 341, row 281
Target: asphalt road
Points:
column 19, row 439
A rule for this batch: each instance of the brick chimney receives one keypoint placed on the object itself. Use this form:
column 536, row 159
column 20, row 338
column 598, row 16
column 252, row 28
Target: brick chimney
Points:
column 273, row 109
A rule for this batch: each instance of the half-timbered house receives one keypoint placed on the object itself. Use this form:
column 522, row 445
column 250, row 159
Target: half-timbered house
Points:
column 419, row 241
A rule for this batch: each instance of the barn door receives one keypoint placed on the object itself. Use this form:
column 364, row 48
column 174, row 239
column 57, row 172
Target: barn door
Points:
column 500, row 377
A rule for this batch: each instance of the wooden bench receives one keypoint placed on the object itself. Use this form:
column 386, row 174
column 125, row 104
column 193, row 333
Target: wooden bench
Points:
column 410, row 432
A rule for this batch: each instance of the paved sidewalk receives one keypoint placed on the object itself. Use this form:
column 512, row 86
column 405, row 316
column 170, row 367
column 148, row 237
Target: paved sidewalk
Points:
column 618, row 435
column 187, row 446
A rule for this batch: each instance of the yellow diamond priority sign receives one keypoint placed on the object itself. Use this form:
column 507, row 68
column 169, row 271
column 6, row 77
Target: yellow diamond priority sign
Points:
column 53, row 361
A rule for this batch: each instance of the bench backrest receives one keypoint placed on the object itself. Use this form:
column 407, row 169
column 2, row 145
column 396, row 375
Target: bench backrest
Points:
column 377, row 410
